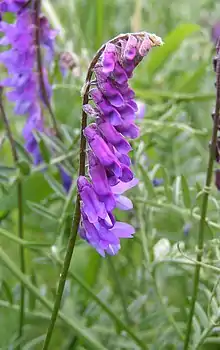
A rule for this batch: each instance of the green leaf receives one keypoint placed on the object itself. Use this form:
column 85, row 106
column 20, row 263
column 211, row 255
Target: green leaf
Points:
column 172, row 42
column 167, row 189
column 31, row 298
column 56, row 186
column 176, row 190
column 35, row 188
column 185, row 192
column 203, row 319
column 24, row 167
column 192, row 81
column 22, row 152
column 6, row 170
column 44, row 149
column 41, row 210
column 6, row 291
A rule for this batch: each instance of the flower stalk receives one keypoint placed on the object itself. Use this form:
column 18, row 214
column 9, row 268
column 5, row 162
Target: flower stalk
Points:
column 40, row 66
column 209, row 173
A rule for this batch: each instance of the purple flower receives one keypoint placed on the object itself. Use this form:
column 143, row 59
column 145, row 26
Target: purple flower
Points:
column 105, row 240
column 157, row 182
column 109, row 58
column 186, row 229
column 215, row 34
column 114, row 137
column 141, row 111
column 114, row 109
column 12, row 5
column 102, row 150
column 92, row 206
column 123, row 202
column 21, row 62
column 100, row 182
column 66, row 179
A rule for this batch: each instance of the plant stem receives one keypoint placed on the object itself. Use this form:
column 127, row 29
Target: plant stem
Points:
column 40, row 66
column 204, row 206
column 20, row 217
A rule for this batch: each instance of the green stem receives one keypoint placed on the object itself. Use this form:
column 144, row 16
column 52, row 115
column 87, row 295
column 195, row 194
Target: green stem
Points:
column 37, row 19
column 73, row 323
column 63, row 276
column 204, row 207
column 20, row 217
column 22, row 259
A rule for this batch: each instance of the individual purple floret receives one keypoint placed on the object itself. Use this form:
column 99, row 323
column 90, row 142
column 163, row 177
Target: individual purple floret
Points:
column 114, row 109
column 140, row 114
column 157, row 182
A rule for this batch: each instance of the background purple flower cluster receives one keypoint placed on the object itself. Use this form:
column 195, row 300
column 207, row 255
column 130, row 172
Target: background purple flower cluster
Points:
column 21, row 61
column 23, row 79
column 114, row 109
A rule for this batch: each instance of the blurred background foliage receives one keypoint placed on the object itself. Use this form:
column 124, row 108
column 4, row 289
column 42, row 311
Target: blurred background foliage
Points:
column 140, row 298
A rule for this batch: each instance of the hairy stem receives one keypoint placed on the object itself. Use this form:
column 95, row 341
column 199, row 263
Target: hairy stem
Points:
column 40, row 66
column 20, row 218
column 204, row 206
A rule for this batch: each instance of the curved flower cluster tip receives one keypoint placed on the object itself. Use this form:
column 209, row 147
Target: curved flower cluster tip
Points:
column 114, row 107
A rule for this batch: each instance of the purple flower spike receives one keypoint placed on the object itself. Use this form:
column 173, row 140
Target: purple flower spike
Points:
column 109, row 58
column 114, row 109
